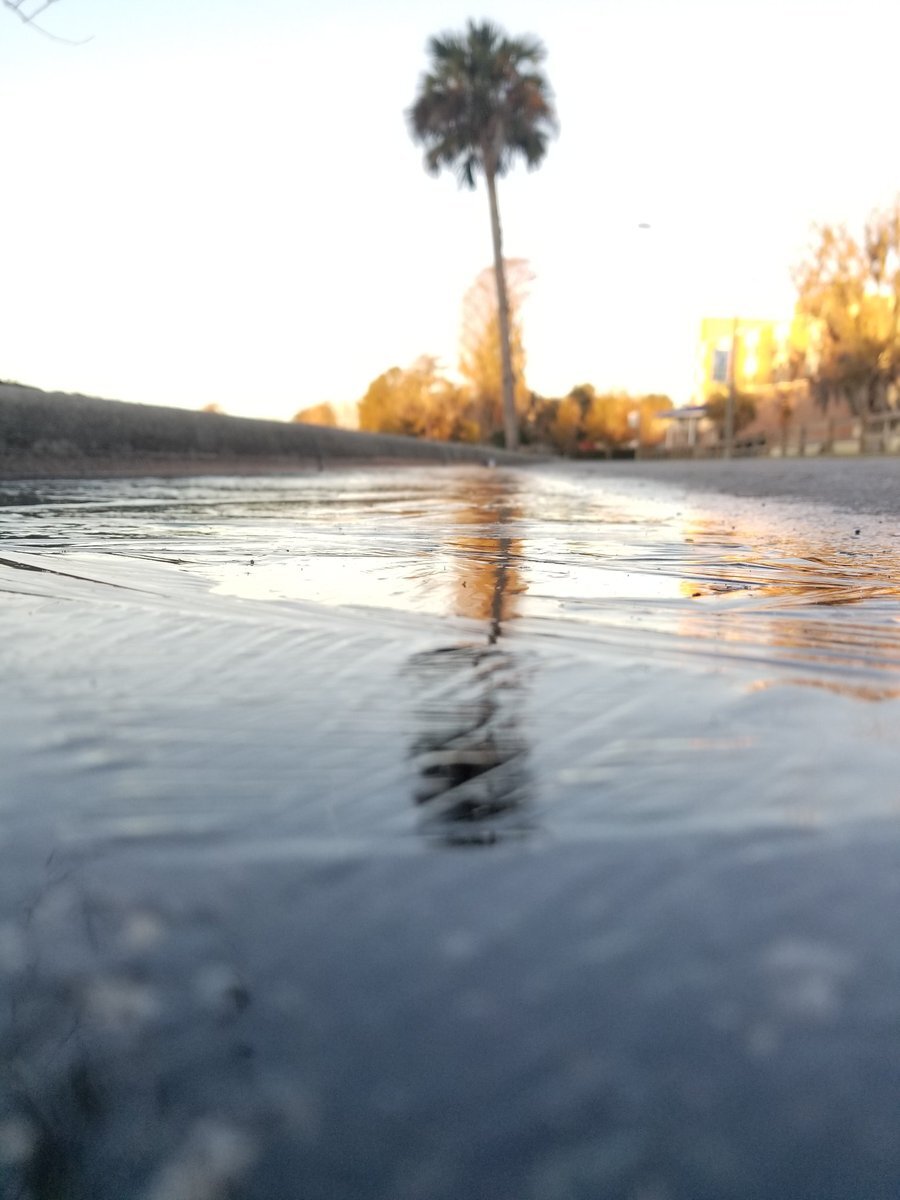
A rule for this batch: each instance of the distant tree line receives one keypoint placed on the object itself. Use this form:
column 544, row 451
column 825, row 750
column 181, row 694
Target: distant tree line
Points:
column 418, row 401
column 421, row 401
column 318, row 414
column 590, row 423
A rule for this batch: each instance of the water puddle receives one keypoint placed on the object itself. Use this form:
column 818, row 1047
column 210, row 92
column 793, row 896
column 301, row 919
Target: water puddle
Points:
column 518, row 655
column 627, row 564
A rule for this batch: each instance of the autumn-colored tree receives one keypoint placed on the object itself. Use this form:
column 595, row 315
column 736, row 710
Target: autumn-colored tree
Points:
column 565, row 429
column 849, row 291
column 744, row 412
column 537, row 419
column 391, row 404
column 601, row 421
column 483, row 103
column 480, row 360
column 417, row 402
column 585, row 422
column 607, row 422
column 212, row 407
column 317, row 414
column 652, row 424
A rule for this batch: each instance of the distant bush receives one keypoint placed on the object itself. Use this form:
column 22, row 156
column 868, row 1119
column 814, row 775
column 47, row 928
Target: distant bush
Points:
column 317, row 414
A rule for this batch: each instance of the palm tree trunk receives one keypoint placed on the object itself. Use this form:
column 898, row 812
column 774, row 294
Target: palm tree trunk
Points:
column 510, row 421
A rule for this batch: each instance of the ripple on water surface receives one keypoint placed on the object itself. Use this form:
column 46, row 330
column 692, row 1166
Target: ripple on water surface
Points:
column 533, row 834
column 584, row 650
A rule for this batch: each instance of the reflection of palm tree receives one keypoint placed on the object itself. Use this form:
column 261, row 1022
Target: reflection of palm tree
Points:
column 487, row 580
column 469, row 753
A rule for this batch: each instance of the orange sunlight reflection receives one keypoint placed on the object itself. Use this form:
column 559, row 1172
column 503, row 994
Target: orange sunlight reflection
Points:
column 777, row 589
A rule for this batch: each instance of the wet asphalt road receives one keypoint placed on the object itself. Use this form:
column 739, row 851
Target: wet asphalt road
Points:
column 863, row 485
column 418, row 835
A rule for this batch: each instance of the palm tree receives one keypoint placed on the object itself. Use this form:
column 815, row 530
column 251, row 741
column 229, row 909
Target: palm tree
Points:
column 483, row 103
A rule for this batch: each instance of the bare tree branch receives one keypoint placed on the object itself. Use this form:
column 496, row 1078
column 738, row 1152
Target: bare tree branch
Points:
column 28, row 10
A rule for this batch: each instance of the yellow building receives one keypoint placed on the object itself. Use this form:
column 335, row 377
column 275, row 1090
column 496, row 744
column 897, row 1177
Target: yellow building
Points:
column 772, row 363
column 765, row 352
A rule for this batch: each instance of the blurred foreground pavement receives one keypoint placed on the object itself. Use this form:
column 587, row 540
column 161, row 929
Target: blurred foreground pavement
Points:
column 425, row 833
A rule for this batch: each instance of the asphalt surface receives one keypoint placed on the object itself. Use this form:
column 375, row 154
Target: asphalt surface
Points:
column 436, row 833
column 868, row 484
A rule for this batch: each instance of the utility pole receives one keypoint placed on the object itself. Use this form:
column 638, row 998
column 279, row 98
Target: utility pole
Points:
column 732, row 385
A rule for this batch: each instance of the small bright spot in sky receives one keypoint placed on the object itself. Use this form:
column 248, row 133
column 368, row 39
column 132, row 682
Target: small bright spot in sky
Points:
column 220, row 202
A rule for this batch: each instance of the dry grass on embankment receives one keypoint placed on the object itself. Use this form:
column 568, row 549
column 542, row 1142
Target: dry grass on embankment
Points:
column 51, row 434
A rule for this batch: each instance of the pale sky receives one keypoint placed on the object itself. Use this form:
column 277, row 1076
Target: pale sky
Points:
column 218, row 200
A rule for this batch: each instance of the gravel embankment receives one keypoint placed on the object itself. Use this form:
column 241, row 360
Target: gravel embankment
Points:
column 51, row 434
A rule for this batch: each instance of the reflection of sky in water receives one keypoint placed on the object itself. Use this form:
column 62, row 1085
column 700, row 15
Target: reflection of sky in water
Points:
column 375, row 581
column 562, row 655
column 763, row 582
column 437, row 557
column 635, row 565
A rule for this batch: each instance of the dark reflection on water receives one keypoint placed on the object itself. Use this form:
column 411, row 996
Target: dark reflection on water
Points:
column 469, row 751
